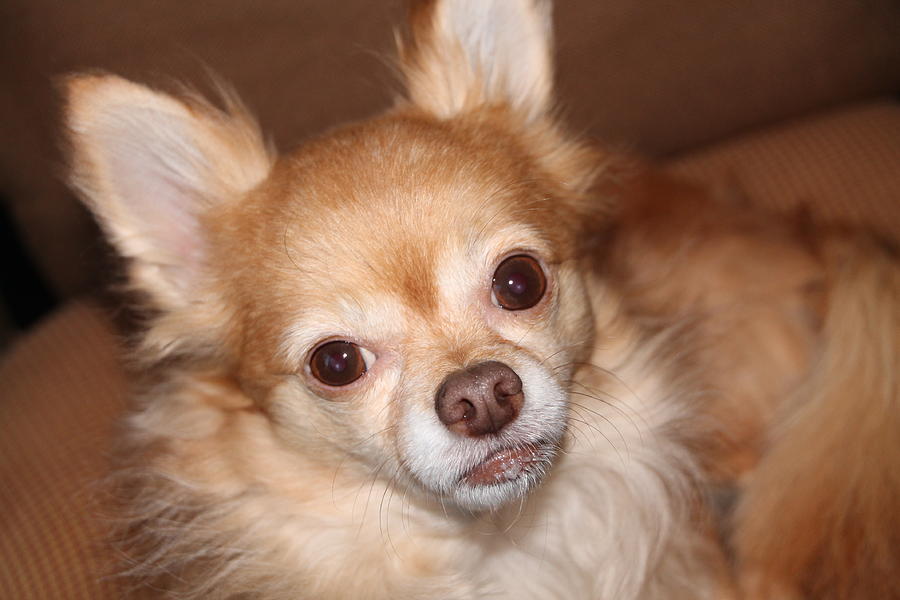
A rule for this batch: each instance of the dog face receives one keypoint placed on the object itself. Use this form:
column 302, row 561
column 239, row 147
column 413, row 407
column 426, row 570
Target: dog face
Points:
column 421, row 304
column 402, row 292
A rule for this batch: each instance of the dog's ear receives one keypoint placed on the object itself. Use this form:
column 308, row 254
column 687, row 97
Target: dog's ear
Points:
column 465, row 54
column 149, row 166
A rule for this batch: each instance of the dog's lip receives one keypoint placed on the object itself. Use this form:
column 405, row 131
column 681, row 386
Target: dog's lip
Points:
column 505, row 464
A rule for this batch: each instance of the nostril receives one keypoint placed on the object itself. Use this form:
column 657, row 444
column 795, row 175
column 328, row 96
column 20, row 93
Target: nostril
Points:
column 503, row 391
column 508, row 385
column 456, row 410
column 501, row 396
column 468, row 410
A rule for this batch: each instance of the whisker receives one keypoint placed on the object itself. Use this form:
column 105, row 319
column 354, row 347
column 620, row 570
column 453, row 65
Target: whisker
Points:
column 596, row 429
column 600, row 415
column 386, row 529
column 368, row 497
column 347, row 455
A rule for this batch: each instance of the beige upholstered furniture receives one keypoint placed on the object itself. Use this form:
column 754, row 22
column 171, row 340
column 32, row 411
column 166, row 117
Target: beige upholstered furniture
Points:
column 807, row 84
column 62, row 387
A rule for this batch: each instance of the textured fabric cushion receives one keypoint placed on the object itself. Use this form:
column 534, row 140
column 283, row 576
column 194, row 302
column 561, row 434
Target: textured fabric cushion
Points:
column 63, row 386
column 844, row 165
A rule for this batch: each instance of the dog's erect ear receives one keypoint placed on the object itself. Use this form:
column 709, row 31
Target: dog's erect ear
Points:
column 463, row 54
column 149, row 166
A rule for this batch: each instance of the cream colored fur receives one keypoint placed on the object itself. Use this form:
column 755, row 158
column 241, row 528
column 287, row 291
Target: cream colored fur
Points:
column 243, row 476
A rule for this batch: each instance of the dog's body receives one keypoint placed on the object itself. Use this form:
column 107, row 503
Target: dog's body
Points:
column 667, row 343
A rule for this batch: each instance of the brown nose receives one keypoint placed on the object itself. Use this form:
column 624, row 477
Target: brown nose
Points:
column 480, row 399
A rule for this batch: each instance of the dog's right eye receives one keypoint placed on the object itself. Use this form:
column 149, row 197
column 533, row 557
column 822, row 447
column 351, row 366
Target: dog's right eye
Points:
column 337, row 363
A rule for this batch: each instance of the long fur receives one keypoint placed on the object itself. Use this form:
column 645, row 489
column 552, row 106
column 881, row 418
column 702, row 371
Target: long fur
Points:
column 686, row 345
column 830, row 474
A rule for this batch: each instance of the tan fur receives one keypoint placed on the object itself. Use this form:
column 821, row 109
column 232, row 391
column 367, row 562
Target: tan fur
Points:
column 804, row 411
column 744, row 281
column 829, row 478
column 685, row 344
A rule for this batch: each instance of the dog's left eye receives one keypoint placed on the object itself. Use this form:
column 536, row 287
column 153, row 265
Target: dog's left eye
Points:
column 338, row 363
column 519, row 283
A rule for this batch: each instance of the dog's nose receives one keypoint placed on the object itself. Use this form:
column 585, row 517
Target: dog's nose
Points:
column 480, row 399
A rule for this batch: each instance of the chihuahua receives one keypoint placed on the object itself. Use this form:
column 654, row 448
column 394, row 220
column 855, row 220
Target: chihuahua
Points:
column 455, row 352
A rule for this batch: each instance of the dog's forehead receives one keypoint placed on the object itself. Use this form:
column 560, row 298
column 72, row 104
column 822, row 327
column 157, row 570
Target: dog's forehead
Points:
column 380, row 208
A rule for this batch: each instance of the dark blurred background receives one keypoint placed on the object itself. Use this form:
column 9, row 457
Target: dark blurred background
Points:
column 660, row 76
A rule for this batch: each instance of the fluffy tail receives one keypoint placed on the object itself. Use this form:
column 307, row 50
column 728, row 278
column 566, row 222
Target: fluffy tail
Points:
column 821, row 515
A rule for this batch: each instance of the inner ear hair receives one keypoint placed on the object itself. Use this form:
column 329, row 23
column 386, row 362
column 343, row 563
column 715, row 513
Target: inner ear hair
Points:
column 459, row 55
column 149, row 165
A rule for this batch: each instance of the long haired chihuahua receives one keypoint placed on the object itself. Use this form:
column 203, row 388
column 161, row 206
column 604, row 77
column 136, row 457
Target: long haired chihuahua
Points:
column 454, row 352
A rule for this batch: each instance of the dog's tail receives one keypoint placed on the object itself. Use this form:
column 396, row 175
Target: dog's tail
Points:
column 821, row 515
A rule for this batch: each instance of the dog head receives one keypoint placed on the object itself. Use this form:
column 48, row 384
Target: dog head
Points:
column 404, row 292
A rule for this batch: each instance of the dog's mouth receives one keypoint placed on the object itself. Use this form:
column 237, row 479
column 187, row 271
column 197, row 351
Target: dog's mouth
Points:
column 510, row 463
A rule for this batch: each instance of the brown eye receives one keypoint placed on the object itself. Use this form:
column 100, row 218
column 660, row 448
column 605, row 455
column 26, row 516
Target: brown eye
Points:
column 519, row 283
column 337, row 363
